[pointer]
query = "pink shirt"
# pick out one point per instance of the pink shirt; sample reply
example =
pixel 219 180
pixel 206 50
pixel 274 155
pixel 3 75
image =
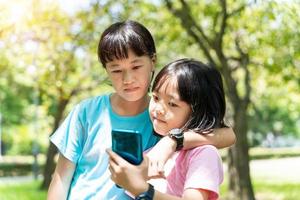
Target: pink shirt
pixel 199 168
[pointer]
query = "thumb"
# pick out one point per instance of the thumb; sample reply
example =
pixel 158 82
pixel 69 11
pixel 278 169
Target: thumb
pixel 145 160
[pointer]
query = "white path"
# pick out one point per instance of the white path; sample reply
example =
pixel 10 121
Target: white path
pixel 275 170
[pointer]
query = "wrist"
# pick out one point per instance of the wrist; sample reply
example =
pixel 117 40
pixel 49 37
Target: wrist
pixel 172 143
pixel 147 195
pixel 143 187
pixel 177 135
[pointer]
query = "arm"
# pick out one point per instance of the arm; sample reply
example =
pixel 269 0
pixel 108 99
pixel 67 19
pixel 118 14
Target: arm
pixel 134 179
pixel 189 194
pixel 61 180
pixel 161 152
pixel 220 138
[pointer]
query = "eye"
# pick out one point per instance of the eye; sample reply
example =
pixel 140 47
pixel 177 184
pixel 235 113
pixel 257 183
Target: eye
pixel 137 67
pixel 172 104
pixel 155 97
pixel 116 71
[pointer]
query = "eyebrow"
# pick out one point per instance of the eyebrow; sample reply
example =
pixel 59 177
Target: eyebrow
pixel 168 95
pixel 136 60
pixel 173 97
pixel 132 62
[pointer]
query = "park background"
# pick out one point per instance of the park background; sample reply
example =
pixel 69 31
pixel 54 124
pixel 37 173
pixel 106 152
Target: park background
pixel 48 63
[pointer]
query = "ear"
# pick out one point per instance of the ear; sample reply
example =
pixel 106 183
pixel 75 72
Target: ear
pixel 154 58
pixel 153 62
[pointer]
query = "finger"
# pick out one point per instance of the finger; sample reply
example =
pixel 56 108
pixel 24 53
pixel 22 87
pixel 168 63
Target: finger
pixel 111 169
pixel 152 169
pixel 116 158
pixel 112 155
pixel 160 167
pixel 113 164
pixel 156 177
pixel 145 160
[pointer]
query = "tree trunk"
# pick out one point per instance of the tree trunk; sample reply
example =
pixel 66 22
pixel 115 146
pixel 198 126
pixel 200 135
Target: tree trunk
pixel 50 164
pixel 240 186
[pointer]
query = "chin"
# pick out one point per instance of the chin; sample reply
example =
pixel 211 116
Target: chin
pixel 133 98
pixel 160 132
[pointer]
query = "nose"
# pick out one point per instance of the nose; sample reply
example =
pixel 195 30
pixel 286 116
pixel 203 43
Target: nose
pixel 127 77
pixel 159 109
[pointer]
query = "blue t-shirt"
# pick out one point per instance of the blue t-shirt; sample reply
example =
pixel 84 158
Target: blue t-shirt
pixel 83 138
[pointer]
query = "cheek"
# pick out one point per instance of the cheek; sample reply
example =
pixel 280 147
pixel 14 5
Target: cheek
pixel 151 107
pixel 180 119
pixel 145 73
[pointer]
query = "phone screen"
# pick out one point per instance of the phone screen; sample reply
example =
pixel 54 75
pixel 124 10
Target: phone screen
pixel 128 145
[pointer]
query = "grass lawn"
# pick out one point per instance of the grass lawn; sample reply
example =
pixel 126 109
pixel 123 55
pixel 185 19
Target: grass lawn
pixel 263 190
pixel 269 191
pixel 272 179
pixel 24 191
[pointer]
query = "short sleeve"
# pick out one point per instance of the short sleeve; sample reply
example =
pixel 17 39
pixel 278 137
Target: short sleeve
pixel 205 170
pixel 68 138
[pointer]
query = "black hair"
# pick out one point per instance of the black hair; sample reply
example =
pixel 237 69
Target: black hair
pixel 119 37
pixel 200 86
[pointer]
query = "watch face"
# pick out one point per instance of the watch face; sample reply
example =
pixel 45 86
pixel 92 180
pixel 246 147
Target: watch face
pixel 175 131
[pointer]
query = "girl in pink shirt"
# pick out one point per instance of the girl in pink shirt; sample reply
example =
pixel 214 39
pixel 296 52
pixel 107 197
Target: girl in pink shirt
pixel 186 95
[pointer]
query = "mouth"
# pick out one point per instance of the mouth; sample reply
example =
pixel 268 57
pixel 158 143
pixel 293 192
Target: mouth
pixel 132 89
pixel 158 120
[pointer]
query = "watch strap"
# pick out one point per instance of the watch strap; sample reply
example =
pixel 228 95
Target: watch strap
pixel 148 195
pixel 178 136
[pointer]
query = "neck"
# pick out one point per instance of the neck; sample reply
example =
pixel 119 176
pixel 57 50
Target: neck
pixel 128 108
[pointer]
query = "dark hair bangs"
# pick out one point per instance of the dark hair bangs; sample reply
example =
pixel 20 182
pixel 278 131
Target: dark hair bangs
pixel 161 78
pixel 121 37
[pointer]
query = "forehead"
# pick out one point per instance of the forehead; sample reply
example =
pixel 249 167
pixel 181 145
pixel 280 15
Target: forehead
pixel 131 58
pixel 168 86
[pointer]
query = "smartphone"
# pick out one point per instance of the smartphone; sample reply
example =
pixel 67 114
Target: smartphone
pixel 128 145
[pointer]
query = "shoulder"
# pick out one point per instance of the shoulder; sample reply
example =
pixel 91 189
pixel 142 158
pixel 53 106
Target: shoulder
pixel 91 106
pixel 94 101
pixel 205 151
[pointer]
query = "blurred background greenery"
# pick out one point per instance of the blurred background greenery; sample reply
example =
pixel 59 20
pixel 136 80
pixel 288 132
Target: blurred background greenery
pixel 49 63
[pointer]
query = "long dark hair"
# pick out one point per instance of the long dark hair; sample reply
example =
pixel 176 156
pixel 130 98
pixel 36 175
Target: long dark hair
pixel 119 37
pixel 200 86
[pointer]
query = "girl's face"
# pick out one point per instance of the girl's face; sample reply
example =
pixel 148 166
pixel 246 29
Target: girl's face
pixel 131 76
pixel 166 109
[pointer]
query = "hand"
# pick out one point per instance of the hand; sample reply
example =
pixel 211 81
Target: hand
pixel 133 178
pixel 159 155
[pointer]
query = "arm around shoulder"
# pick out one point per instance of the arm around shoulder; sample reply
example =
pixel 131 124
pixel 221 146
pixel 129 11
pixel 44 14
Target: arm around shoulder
pixel 61 180
pixel 220 138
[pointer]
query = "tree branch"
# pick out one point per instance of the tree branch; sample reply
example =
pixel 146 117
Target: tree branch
pixel 186 10
pixel 238 10
pixel 244 60
pixel 220 34
pixel 189 24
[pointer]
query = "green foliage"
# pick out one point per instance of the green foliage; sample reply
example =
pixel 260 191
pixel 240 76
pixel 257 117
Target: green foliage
pixel 24 191
pixel 18 140
pixel 61 49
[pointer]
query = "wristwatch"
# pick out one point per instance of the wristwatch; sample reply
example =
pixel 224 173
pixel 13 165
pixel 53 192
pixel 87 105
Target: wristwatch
pixel 148 195
pixel 177 135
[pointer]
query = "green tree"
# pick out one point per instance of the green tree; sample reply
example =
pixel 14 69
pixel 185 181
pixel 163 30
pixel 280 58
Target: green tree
pixel 275 54
pixel 221 43
pixel 245 50
pixel 56 58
